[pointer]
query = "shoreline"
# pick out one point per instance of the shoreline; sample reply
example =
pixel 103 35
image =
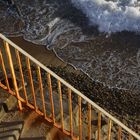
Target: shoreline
pixel 37 51
pixel 52 55
pixel 42 54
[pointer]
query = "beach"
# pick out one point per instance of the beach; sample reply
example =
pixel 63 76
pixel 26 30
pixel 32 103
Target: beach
pixel 103 66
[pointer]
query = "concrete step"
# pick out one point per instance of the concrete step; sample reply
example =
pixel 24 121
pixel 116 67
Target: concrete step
pixel 2 111
pixel 34 126
pixel 7 102
pixel 10 130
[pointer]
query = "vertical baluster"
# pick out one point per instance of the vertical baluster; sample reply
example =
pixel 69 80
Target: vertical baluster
pixel 61 104
pixel 70 111
pixel 109 129
pixel 119 133
pixel 4 70
pixel 130 137
pixel 99 125
pixel 31 82
pixel 51 97
pixel 89 121
pixel 41 90
pixel 6 45
pixel 21 75
pixel 80 118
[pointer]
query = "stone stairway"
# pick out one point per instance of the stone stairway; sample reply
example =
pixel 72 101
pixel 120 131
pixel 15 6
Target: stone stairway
pixel 10 130
pixel 25 125
pixel 28 125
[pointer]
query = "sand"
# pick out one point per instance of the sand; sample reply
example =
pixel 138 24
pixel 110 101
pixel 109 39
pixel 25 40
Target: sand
pixel 39 52
pixel 126 103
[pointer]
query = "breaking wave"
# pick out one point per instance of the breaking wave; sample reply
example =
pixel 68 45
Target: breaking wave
pixel 112 16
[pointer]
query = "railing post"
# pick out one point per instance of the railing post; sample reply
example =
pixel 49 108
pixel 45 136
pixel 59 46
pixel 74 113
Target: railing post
pixel 109 129
pixel 51 96
pixel 99 126
pixel 130 137
pixel 80 117
pixel 61 105
pixel 21 75
pixel 119 133
pixel 89 121
pixel 31 82
pixel 12 72
pixel 41 90
pixel 4 70
pixel 70 111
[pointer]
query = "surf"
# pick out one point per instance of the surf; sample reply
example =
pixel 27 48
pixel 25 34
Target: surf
pixel 112 16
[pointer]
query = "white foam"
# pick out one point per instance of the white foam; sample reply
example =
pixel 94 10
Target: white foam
pixel 112 16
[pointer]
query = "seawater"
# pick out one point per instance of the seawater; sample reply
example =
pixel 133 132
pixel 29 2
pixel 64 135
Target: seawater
pixel 99 37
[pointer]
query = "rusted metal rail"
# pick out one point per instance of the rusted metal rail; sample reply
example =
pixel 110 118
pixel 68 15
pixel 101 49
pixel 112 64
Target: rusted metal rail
pixel 102 114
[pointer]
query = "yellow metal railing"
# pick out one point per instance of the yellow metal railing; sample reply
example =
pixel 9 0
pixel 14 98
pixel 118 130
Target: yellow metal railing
pixel 102 114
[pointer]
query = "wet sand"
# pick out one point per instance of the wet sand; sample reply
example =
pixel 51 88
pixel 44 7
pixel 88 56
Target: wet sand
pixel 45 56
pixel 39 52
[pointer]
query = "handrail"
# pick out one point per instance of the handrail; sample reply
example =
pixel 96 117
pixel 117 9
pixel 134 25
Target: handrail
pixel 70 87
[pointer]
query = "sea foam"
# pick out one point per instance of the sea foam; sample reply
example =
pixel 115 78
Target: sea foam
pixel 112 16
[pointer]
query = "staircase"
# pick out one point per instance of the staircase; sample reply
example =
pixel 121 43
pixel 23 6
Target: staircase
pixel 10 130
pixel 25 125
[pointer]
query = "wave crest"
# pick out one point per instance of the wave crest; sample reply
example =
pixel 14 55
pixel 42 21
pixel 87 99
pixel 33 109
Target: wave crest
pixel 112 16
